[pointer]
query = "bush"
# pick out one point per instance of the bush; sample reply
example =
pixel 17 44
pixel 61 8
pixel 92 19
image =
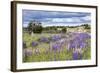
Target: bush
pixel 35 27
pixel 64 30
pixel 86 26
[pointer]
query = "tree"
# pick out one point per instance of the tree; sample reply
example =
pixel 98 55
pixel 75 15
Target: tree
pixel 64 30
pixel 35 27
pixel 86 26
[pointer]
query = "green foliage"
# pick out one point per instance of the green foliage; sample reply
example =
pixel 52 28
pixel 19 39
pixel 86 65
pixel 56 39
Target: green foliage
pixel 35 27
pixel 64 30
pixel 86 26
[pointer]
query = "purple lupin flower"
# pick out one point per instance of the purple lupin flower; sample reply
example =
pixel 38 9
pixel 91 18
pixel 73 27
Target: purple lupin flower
pixel 34 44
pixel 83 36
pixel 55 38
pixel 79 41
pixel 72 44
pixel 75 55
pixel 82 45
pixel 56 47
pixel 44 39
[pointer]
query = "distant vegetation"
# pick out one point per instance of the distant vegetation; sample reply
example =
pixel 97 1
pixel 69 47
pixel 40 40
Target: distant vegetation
pixel 86 26
pixel 36 27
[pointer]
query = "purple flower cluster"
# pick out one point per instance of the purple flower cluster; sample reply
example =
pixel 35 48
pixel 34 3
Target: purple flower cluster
pixel 84 35
pixel 79 41
pixel 44 39
pixel 75 55
pixel 27 52
pixel 34 44
pixel 56 47
pixel 55 38
pixel 75 43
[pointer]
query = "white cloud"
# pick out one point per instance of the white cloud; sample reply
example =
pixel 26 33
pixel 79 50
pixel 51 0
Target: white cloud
pixel 61 24
pixel 59 19
pixel 25 25
pixel 73 19
pixel 86 18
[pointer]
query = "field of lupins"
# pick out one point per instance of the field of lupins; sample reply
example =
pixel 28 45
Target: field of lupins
pixel 56 47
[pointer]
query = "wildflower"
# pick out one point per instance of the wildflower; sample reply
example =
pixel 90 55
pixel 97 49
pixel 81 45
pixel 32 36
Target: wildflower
pixel 27 52
pixel 55 38
pixel 34 44
pixel 44 39
pixel 75 55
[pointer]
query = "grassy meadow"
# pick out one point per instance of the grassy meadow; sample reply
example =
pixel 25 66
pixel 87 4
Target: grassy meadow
pixel 41 47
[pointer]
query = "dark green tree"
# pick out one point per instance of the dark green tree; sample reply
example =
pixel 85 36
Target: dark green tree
pixel 35 27
pixel 64 30
pixel 86 26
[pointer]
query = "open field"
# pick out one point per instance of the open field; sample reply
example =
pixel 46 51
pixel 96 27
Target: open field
pixel 56 46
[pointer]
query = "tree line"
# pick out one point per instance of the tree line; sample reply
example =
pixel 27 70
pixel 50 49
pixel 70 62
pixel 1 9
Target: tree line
pixel 36 27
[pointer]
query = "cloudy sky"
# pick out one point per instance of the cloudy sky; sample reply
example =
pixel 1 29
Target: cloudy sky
pixel 56 18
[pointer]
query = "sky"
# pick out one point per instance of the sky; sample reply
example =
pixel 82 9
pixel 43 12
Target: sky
pixel 56 18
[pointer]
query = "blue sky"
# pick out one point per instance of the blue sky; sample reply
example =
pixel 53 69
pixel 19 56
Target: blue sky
pixel 56 18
